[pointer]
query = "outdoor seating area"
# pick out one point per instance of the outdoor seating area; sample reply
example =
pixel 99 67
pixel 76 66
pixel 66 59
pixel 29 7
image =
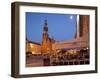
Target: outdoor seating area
pixel 80 58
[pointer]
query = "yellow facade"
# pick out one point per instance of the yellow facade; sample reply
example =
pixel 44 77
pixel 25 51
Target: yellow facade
pixel 33 48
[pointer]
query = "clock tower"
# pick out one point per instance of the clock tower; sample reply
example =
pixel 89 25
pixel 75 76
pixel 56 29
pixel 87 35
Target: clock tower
pixel 45 47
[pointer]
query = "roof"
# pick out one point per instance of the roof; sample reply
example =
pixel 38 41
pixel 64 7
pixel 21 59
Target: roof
pixel 33 42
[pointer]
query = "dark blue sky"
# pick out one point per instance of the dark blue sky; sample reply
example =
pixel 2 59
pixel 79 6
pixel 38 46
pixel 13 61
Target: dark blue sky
pixel 60 26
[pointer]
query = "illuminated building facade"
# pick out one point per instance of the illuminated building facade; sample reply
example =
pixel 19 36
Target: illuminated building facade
pixel 49 45
pixel 46 47
pixel 33 47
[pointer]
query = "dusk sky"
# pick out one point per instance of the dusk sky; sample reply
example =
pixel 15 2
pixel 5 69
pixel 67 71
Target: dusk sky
pixel 60 26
